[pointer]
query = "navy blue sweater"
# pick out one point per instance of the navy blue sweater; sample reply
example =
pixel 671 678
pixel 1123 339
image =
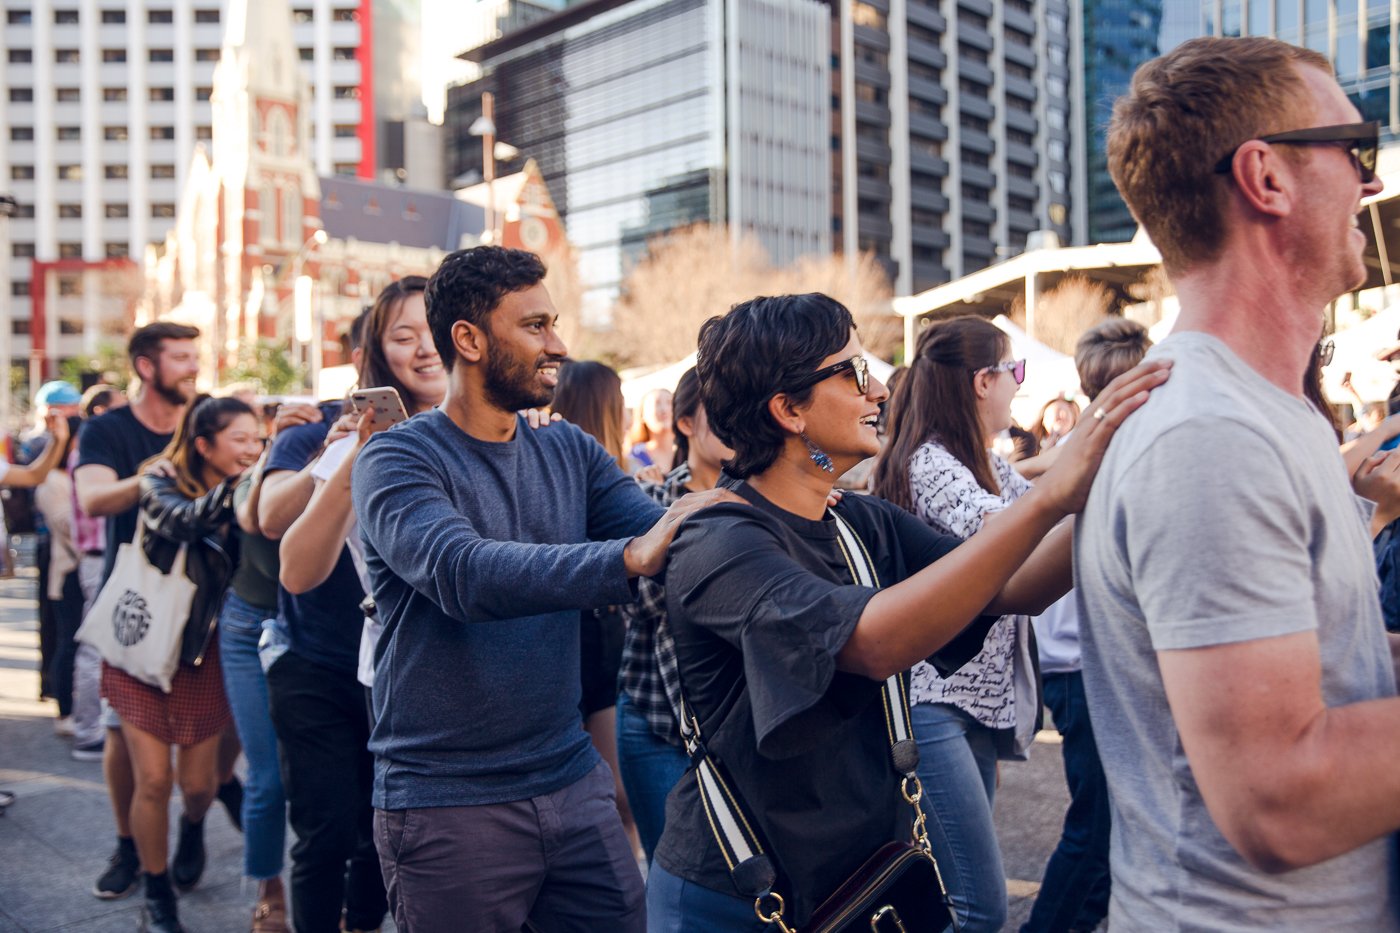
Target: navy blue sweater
pixel 480 557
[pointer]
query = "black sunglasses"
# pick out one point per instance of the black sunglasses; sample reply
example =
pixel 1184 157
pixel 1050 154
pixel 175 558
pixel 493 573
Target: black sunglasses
pixel 1325 351
pixel 1362 143
pixel 857 365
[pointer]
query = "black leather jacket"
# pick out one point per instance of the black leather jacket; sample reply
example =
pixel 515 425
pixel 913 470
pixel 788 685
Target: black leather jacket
pixel 171 520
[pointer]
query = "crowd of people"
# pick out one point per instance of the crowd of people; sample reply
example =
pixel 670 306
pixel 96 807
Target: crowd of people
pixel 506 665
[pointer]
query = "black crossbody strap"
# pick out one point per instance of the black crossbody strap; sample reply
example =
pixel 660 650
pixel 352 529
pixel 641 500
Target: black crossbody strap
pixel 749 866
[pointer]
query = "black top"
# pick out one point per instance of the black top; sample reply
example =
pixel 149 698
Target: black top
pixel 760 602
pixel 118 440
pixel 255 578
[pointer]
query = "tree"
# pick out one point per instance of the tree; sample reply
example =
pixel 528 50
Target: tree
pixel 1065 312
pixel 270 366
pixel 692 274
pixel 110 363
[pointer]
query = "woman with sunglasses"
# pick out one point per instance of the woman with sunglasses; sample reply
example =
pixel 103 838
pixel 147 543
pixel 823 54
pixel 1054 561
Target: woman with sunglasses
pixel 955 400
pixel 781 655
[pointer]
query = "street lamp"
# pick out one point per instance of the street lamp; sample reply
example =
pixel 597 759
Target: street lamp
pixel 492 151
pixel 306 320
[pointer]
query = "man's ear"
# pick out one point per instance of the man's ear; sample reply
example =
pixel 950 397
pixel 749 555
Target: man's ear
pixel 785 414
pixel 469 341
pixel 145 369
pixel 1264 178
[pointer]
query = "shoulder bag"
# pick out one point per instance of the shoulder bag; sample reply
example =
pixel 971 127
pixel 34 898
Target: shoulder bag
pixel 899 888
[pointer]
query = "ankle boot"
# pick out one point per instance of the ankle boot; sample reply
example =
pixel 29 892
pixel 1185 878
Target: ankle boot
pixel 188 864
pixel 159 913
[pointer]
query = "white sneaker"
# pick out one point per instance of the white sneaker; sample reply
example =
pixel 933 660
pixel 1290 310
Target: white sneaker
pixel 63 727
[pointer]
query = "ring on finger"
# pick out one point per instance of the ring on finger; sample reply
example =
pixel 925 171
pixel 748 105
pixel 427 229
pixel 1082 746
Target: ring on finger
pixel 1100 414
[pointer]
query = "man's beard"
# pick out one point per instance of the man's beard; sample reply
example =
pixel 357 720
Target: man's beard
pixel 173 394
pixel 512 386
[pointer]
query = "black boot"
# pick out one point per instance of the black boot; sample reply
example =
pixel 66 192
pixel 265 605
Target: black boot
pixel 188 863
pixel 159 913
pixel 231 796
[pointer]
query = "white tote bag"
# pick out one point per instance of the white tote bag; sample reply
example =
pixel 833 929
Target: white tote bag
pixel 137 621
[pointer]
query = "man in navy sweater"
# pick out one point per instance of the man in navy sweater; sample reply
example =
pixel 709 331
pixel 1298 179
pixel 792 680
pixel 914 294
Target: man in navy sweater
pixel 483 542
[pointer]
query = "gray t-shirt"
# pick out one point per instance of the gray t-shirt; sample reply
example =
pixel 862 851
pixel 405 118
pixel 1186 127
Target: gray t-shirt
pixel 1222 514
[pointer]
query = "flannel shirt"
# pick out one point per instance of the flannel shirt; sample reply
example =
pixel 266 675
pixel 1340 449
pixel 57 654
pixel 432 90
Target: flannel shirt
pixel 650 673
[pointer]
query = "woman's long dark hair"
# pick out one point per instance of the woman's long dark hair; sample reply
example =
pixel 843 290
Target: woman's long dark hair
pixel 205 417
pixel 685 403
pixel 589 395
pixel 937 400
pixel 375 370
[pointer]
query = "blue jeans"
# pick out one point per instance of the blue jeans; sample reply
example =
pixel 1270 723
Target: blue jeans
pixel 650 767
pixel 1074 894
pixel 264 804
pixel 675 905
pixel 958 768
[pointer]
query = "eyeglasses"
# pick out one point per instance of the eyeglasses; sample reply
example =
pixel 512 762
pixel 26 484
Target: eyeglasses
pixel 857 365
pixel 1360 140
pixel 1325 351
pixel 1017 369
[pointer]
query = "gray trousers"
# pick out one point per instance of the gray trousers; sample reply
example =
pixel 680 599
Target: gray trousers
pixel 559 862
pixel 87 665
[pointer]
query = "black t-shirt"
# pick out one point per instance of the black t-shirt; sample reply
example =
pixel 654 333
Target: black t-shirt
pixel 760 602
pixel 118 440
pixel 323 624
pixel 255 577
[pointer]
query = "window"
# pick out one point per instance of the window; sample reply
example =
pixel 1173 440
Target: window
pixel 65 17
pixel 160 16
pixel 203 132
pixel 68 95
pixel 206 55
pixel 19 290
pixel 21 134
pixel 162 132
pixel 307 54
pixel 343 54
pixel 162 55
pixel 114 16
pixel 70 210
pixel 344 16
pixel 117 251
pixel 65 56
pixel 70 251
pixel 117 133
pixel 70 132
pixel 21 95
pixel 203 93
pixel 116 210
pixel 114 93
pixel 22 250
pixel 162 93
pixel 21 56
pixel 863 14
pixel 343 92
pixel 301 16
pixel 162 210
pixel 206 16
pixel 114 55
pixel 346 131
pixel 972 53
pixel 70 172
pixel 345 168
pixel 18 17
pixel 21 172
pixel 116 171
pixel 162 171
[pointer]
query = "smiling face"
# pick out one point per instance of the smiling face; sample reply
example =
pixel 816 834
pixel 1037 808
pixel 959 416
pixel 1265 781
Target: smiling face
pixel 411 355
pixel 523 351
pixel 175 368
pixel 232 450
pixel 840 419
pixel 995 390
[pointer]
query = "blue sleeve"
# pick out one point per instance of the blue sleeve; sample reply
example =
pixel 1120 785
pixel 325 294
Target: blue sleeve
pixel 410 524
pixel 618 507
pixel 294 447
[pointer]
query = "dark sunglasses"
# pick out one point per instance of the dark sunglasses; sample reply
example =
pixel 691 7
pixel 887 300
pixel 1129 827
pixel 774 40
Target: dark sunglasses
pixel 1017 369
pixel 1325 351
pixel 1361 141
pixel 856 365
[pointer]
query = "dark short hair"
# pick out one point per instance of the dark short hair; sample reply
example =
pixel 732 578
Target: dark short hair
pixel 764 346
pixel 685 403
pixel 469 285
pixel 146 342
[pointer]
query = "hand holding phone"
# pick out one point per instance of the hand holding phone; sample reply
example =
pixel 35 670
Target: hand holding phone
pixel 388 407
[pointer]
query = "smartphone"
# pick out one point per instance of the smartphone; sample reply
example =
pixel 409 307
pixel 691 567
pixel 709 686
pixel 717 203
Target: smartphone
pixel 388 407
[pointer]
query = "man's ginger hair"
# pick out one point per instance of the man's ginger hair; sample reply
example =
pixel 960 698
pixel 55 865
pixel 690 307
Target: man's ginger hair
pixel 1184 112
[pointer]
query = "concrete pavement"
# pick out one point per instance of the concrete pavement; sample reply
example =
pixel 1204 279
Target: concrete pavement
pixel 55 839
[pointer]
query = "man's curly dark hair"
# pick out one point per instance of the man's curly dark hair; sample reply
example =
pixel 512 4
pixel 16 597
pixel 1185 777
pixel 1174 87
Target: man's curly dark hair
pixel 468 286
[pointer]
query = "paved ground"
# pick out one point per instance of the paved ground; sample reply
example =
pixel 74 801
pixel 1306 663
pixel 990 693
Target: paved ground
pixel 55 839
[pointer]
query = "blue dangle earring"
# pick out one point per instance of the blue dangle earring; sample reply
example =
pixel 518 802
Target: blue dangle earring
pixel 819 456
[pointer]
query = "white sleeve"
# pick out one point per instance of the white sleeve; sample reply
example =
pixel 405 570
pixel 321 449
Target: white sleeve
pixel 945 493
pixel 332 457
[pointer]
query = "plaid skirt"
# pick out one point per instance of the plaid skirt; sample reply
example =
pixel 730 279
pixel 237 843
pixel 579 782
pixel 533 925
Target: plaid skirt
pixel 194 709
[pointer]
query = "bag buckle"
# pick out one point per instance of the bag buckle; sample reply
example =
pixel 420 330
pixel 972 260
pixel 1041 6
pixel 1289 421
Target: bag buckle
pixel 775 914
pixel 887 911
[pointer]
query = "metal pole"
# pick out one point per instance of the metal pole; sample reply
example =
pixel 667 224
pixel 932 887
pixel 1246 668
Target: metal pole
pixel 488 161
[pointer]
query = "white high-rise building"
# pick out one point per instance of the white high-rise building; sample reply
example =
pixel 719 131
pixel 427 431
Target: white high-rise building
pixel 102 103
